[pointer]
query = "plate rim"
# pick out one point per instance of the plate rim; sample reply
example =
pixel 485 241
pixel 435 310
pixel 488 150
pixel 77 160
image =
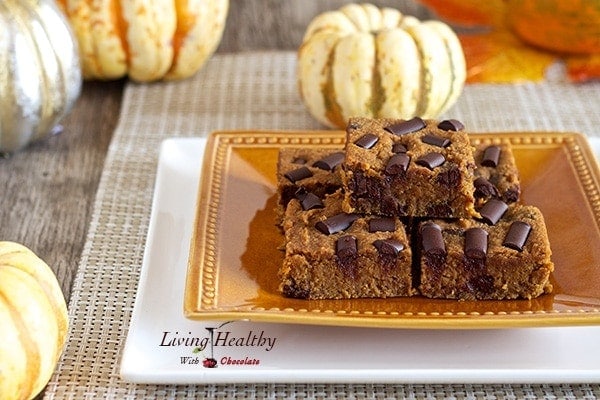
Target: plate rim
pixel 198 297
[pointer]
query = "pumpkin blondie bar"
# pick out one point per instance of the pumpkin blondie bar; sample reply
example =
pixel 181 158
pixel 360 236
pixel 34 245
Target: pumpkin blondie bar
pixel 408 168
pixel 330 254
pixel 507 257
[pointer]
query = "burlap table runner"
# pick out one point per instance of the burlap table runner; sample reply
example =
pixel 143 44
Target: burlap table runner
pixel 250 91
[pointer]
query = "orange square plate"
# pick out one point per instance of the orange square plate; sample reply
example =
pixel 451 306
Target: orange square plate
pixel 235 248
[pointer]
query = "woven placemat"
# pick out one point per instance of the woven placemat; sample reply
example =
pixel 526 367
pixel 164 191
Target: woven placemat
pixel 250 91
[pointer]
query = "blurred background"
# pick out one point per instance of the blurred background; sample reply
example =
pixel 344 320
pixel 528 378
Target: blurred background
pixel 280 24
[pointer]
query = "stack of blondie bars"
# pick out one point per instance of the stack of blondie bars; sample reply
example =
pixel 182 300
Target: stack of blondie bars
pixel 408 207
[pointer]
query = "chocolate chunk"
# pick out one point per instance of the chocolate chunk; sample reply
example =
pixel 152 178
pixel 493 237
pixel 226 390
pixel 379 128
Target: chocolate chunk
pixel 291 290
pixel 399 148
pixel 347 255
pixel 436 140
pixel 451 125
pixel 476 242
pixel 367 141
pixel 335 224
pixel 474 266
pixel 365 186
pixel 358 184
pixel 431 160
pixel 491 155
pixel 390 206
pixel 298 174
pixel 485 188
pixel 397 164
pixel 329 162
pixel 353 125
pixel 493 210
pixel 346 247
pixel 404 127
pixel 439 210
pixel 481 285
pixel 308 200
pixel 432 240
pixel 382 225
pixel 388 246
pixel 511 195
pixel 300 192
pixel 517 235
pixel 299 160
pixel 449 178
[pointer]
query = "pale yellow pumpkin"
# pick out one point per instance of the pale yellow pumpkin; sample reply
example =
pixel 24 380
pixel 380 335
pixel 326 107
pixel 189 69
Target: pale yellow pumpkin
pixel 146 40
pixel 366 61
pixel 33 321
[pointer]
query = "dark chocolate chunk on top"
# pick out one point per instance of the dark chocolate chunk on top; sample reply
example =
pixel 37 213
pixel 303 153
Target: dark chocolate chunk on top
pixel 399 148
pixel 367 141
pixel 336 223
pixel 329 162
pixel 346 247
pixel 493 210
pixel 298 174
pixel 388 246
pixel 431 160
pixel 432 240
pixel 517 235
pixel 397 164
pixel 435 140
pixel 491 155
pixel 404 127
pixel 308 200
pixel 299 160
pixel 451 125
pixel 485 188
pixel 476 242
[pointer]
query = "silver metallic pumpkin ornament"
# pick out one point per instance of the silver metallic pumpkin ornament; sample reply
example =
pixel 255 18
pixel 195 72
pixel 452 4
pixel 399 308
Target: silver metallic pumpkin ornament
pixel 40 74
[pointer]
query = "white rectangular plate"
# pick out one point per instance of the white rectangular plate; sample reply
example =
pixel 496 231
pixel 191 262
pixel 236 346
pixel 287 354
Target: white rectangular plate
pixel 162 346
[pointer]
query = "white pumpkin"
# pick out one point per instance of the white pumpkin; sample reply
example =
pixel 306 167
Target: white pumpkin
pixel 365 61
pixel 40 76
pixel 33 321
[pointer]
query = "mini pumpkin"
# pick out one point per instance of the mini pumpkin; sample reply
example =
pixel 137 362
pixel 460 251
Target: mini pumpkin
pixel 33 321
pixel 40 76
pixel 365 61
pixel 146 40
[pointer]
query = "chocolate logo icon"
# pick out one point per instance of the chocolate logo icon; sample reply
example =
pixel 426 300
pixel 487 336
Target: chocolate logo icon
pixel 211 362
